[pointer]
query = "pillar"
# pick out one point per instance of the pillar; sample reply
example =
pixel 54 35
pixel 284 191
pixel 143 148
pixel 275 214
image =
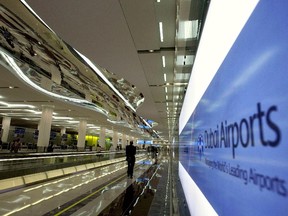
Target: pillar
pixel 102 136
pixel 63 138
pixel 5 128
pixel 81 135
pixel 45 128
pixel 115 140
pixel 63 131
pixel 124 141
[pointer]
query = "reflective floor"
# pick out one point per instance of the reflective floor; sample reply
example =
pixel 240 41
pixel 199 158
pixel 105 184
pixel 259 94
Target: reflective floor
pixel 24 162
pixel 101 191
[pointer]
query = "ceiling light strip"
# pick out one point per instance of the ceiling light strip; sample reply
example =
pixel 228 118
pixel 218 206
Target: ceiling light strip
pixel 16 105
pixel 161 31
pixel 163 61
pixel 99 73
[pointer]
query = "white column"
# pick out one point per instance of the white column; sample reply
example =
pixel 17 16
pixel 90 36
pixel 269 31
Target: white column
pixel 115 140
pixel 63 131
pixel 45 128
pixel 102 136
pixel 5 128
pixel 81 135
pixel 124 141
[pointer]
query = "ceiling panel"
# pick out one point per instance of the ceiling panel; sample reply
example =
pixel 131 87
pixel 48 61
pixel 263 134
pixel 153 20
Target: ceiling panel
pixel 152 66
pixel 142 22
pixel 158 94
pixel 118 35
pixel 166 13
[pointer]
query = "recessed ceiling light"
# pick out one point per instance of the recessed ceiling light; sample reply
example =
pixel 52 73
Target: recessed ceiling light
pixel 161 31
pixel 163 61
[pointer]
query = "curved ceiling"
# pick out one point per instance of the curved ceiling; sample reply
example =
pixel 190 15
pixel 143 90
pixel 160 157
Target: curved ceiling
pixel 123 37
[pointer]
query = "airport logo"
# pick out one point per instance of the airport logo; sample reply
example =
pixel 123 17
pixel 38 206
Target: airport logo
pixel 258 128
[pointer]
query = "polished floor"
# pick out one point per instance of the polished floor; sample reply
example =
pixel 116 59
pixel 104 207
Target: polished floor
pixel 104 190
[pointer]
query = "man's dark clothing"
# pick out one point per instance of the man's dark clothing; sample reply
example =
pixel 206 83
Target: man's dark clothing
pixel 130 157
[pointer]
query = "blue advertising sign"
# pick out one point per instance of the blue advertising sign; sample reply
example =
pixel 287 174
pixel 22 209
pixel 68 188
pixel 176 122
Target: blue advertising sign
pixel 19 132
pixel 235 144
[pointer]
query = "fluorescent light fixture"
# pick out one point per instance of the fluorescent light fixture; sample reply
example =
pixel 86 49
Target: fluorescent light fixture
pixel 165 78
pixel 222 27
pixel 90 125
pixel 180 84
pixel 16 105
pixel 95 127
pixel 62 118
pixel 35 112
pixel 163 61
pixel 30 119
pixel 166 97
pixel 158 1
pixel 190 29
pixel 166 90
pixel 72 122
pixel 161 31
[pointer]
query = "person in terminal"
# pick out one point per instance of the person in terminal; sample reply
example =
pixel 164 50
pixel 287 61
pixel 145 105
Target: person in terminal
pixel 15 145
pixel 98 148
pixel 130 158
pixel 50 147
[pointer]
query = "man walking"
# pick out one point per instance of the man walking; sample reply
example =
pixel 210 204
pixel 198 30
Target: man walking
pixel 130 158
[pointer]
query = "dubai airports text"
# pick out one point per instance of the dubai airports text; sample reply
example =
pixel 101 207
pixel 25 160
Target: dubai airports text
pixel 244 132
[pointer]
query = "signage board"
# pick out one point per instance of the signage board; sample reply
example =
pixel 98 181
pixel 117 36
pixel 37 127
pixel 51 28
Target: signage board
pixel 235 144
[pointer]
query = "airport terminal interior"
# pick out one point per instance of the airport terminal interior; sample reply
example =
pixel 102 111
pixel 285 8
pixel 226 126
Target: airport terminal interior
pixel 79 81
pixel 188 95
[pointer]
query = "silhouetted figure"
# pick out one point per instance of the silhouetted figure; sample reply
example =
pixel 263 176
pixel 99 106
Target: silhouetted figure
pixel 15 146
pixel 154 151
pixel 50 147
pixel 130 157
pixel 98 148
